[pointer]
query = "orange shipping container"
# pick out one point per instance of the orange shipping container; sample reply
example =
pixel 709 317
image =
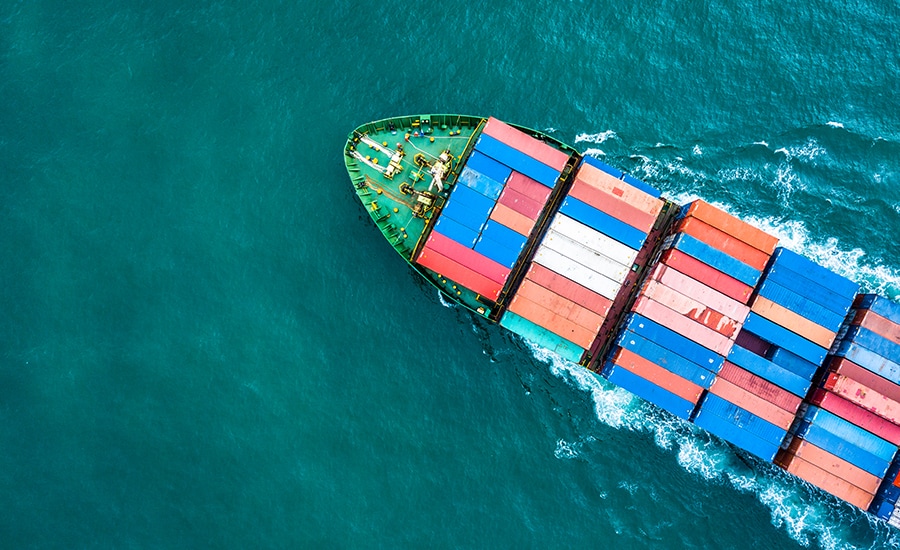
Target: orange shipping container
pixel 828 482
pixel 658 375
pixel 797 324
pixel 761 387
pixel 579 315
pixel 865 397
pixel 599 179
pixel 557 324
pixel 728 244
pixel 716 217
pixel 834 465
pixel 615 206
pixel 752 403
pixel 692 309
pixel 691 330
pixel 519 223
pixel 867 318
pixel 842 365
pixel 568 288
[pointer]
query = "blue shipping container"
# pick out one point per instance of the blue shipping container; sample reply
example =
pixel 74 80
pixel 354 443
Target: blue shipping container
pixel 464 215
pixel 742 418
pixel 456 231
pixel 472 199
pixel 851 433
pixel 869 360
pixel 648 391
pixel 489 167
pixel 542 337
pixel 517 160
pixel 645 187
pixel 666 359
pixel 814 272
pixel 880 305
pixel 716 259
pixel 739 437
pixel 603 222
pixel 767 370
pixel 669 339
pixel 782 337
pixel 800 305
pixel 827 298
pixel 509 238
pixel 881 509
pixel 599 164
pixel 496 251
pixel 873 341
pixel 792 362
pixel 842 449
pixel 477 181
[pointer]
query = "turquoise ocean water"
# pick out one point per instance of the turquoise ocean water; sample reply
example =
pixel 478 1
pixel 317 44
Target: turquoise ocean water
pixel 206 342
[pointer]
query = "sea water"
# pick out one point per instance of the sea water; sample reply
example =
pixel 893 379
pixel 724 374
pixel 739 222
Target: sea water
pixel 207 343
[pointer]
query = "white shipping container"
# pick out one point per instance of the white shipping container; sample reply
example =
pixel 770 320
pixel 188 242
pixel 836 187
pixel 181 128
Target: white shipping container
pixel 586 256
pixel 586 277
pixel 594 239
pixel 700 292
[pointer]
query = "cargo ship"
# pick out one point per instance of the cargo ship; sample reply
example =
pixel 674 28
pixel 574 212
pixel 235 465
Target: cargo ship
pixel 686 306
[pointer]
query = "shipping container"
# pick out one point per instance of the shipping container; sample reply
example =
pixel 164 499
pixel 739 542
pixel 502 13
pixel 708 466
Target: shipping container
pixel 577 272
pixel 882 326
pixel 464 216
pixel 800 304
pixel 542 337
pixel 857 415
pixel 666 358
pixel 707 275
pixel 752 403
pixel 824 297
pixel 467 257
pixel 602 166
pixel 716 259
pixel 721 240
pixel 717 217
pixel 591 258
pixel 521 141
pixel 752 342
pixel 476 181
pixel 867 398
pixel 833 444
pixel 528 207
pixel 851 433
pixel 874 342
pixel 478 204
pixel 495 250
pixel 569 289
pixel 613 185
pixel 613 205
pixel 736 435
pixel 550 320
pixel 459 274
pixel 508 217
pixel 562 306
pixel 784 338
pixel 829 482
pixel 845 367
pixel 671 340
pixel 707 295
pixel 648 391
pixel 760 387
pixel 815 273
pixel 663 378
pixel 517 160
pixel 742 418
pixel 768 370
pixel 690 308
pixel 527 187
pixel 869 360
pixel 830 463
pixel 488 167
pixel 673 320
pixel 455 231
pixel 604 223
pixel 792 362
pixel 780 315
pixel 645 187
pixel 593 239
pixel 880 305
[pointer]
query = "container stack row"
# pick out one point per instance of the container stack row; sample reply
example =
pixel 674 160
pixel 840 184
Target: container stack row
pixel 885 504
pixel 493 208
pixel 689 312
pixel 580 265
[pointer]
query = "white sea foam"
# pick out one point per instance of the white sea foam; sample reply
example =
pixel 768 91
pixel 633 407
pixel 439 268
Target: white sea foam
pixel 594 152
pixel 596 138
pixel 566 450
pixel 697 150
pixel 763 143
pixel 809 151
pixel 444 302
pixel 834 124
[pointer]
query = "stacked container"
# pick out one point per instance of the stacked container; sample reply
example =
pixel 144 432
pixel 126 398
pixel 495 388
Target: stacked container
pixel 489 215
pixel 884 506
pixel 586 254
pixel 690 310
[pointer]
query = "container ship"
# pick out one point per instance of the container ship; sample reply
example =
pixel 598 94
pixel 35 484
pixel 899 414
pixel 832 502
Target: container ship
pixel 685 306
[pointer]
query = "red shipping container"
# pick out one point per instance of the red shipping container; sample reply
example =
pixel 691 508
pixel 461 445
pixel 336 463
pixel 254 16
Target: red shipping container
pixel 761 387
pixel 569 289
pixel 551 321
pixel 798 324
pixel 828 482
pixel 752 403
pixel 691 330
pixel 520 223
pixel 834 465
pixel 752 342
pixel 690 308
pixel 866 398
pixel 842 365
pixel 707 275
pixel 663 378
pixel 560 305
pixel 724 242
pixel 857 415
pixel 613 205
pixel 716 217
pixel 520 183
pixel 467 258
pixel 460 274
pixel 524 143
pixel 876 323
pixel 599 179
pixel 514 200
pixel 705 294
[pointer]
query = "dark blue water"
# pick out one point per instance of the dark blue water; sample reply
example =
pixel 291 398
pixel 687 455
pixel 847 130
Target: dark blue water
pixel 206 343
